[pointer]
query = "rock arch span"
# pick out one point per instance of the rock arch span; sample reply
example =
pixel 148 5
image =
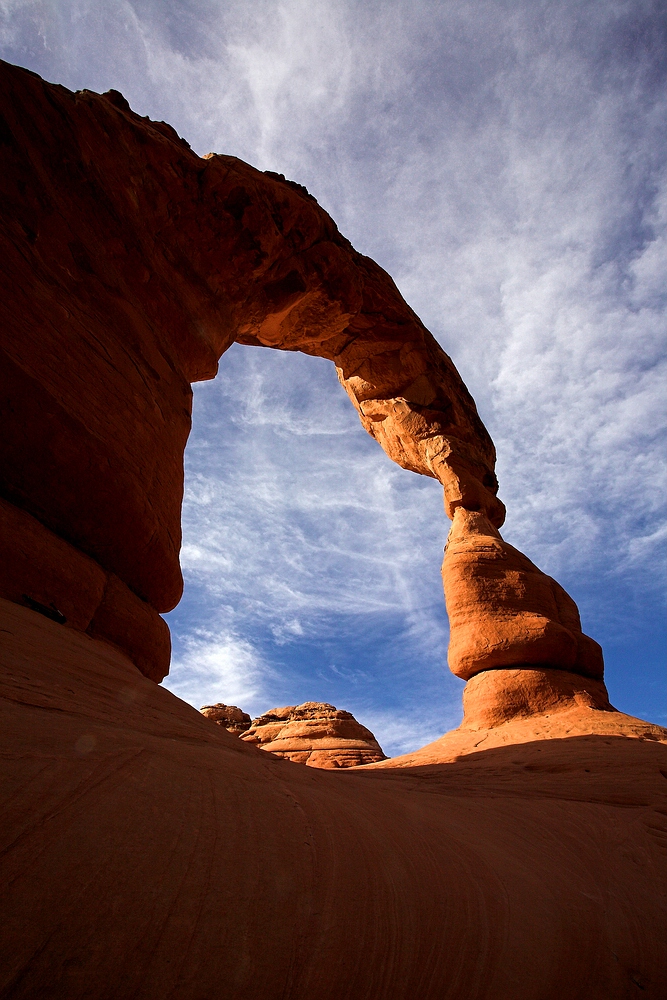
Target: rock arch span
pixel 131 265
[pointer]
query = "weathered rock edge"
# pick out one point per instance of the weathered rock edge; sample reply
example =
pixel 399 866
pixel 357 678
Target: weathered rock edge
pixel 504 611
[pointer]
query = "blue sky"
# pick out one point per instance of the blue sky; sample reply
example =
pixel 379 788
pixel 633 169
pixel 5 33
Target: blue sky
pixel 504 161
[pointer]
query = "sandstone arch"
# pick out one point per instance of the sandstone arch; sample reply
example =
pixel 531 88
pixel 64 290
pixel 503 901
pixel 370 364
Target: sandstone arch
pixel 132 265
pixel 178 257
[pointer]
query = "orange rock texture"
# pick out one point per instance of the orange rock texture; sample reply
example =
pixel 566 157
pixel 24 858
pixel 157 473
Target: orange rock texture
pixel 229 717
pixel 503 611
pixel 41 570
pixel 130 264
pixel 316 734
pixel 144 262
pixel 529 705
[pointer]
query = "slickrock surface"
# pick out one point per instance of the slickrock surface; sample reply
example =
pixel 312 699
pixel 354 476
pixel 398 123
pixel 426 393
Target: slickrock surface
pixel 504 611
pixel 229 717
pixel 146 852
pixel 316 734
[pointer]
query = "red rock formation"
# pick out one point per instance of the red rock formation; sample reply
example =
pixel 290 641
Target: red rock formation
pixel 96 459
pixel 316 734
pixel 513 707
pixel 139 263
pixel 503 611
pixel 229 717
pixel 41 570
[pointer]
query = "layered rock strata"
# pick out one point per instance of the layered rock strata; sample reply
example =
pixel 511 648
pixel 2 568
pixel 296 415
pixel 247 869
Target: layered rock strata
pixel 231 718
pixel 317 734
pixel 44 572
pixel 504 611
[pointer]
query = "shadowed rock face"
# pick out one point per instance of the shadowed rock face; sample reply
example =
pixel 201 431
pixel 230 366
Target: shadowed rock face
pixel 316 734
pixel 229 717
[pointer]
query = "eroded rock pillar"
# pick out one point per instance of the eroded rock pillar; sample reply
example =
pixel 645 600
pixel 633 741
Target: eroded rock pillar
pixel 506 617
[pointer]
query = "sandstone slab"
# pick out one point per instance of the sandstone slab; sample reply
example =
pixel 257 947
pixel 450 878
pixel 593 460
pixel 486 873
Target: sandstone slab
pixel 149 853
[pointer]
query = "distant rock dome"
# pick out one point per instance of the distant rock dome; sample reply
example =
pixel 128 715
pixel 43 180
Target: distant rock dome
pixel 231 718
pixel 315 733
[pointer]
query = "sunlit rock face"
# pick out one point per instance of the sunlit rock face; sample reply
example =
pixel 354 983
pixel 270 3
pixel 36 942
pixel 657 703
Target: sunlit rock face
pixel 504 611
pixel 95 456
pixel 231 718
pixel 317 734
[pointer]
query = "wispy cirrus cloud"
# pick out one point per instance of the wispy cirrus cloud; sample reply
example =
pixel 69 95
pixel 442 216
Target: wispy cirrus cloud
pixel 302 537
pixel 211 662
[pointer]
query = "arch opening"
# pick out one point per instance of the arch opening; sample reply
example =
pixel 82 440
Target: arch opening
pixel 144 263
pixel 311 562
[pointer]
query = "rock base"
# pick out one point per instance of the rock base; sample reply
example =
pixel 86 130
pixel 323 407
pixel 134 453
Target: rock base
pixel 47 574
pixel 495 697
pixel 149 853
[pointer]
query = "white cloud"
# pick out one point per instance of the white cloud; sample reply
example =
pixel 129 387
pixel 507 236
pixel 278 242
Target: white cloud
pixel 402 732
pixel 293 509
pixel 220 667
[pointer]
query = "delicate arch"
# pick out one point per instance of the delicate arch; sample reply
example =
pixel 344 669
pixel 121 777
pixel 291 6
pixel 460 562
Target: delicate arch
pixel 131 265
